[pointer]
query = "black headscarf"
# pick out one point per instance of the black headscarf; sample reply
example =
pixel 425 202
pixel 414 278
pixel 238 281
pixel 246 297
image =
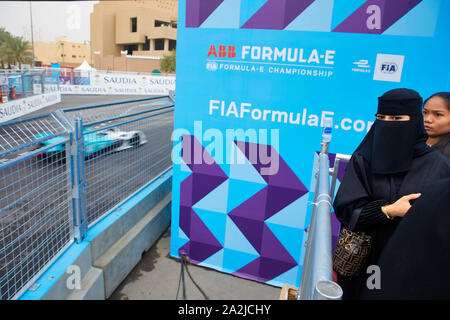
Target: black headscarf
pixel 390 146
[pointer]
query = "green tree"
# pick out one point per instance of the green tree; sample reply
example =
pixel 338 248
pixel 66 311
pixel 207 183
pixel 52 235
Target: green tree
pixel 168 63
pixel 4 58
pixel 14 50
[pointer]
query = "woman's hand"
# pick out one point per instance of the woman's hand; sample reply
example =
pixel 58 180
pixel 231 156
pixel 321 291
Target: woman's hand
pixel 401 206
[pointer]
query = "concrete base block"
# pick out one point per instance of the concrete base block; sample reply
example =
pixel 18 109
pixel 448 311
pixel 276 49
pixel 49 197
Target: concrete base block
pixel 69 270
pixel 92 287
pixel 94 268
pixel 124 254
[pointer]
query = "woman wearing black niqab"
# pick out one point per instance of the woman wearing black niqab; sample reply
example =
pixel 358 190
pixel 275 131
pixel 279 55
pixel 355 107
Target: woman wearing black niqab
pixel 388 170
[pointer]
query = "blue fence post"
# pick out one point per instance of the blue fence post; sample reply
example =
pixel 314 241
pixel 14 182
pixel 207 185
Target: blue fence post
pixel 78 181
pixel 22 78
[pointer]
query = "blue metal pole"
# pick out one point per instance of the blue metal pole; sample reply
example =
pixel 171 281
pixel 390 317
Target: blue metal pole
pixel 78 182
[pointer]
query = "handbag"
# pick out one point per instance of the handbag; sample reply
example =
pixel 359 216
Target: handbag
pixel 352 249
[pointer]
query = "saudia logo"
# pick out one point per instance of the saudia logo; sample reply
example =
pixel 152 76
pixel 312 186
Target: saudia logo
pixel 119 80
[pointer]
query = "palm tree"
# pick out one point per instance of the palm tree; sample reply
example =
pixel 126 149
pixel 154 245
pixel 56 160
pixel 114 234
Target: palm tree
pixel 14 50
pixel 20 50
pixel 4 35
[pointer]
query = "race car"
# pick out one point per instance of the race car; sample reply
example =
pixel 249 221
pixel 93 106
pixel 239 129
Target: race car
pixel 96 143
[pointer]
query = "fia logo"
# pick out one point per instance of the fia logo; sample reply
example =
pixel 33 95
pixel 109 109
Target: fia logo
pixel 389 67
pixel 211 66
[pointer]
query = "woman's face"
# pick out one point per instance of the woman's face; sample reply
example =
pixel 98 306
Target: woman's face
pixel 436 117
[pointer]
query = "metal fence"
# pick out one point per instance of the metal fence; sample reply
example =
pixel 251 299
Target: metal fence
pixel 22 83
pixel 317 274
pixel 61 172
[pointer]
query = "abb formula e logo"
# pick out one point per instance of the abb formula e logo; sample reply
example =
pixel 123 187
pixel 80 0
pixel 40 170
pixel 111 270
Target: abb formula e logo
pixel 223 52
pixel 314 57
pixel 289 61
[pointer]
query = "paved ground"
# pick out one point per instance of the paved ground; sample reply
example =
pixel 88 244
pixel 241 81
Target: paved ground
pixel 157 275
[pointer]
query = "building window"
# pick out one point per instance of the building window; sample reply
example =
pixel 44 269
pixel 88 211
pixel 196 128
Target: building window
pixel 146 45
pixel 133 24
pixel 130 48
pixel 159 44
pixel 159 23
pixel 172 45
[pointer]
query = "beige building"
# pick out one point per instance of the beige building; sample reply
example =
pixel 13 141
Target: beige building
pixel 133 35
pixel 66 53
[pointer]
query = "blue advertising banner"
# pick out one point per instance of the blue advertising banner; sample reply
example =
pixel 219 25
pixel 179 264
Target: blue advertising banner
pixel 255 81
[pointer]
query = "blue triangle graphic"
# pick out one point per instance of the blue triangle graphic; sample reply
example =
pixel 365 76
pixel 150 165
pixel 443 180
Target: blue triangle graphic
pixel 290 238
pixel 293 215
pixel 234 260
pixel 177 242
pixel 235 240
pixel 216 200
pixel 289 278
pixel 225 16
pixel 215 261
pixel 317 17
pixel 240 191
pixel 342 9
pixel 184 167
pixel 243 170
pixel 215 221
pixel 183 171
pixel 419 22
pixel 182 235
pixel 249 8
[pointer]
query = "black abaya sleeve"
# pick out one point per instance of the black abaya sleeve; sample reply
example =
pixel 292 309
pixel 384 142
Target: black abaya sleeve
pixel 415 262
pixel 355 192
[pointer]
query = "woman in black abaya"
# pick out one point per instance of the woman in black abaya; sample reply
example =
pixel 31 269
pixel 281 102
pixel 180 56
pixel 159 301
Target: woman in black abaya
pixel 388 170
pixel 421 269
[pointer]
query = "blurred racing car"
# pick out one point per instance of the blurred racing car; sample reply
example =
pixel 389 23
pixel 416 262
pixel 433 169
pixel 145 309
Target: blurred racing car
pixel 95 143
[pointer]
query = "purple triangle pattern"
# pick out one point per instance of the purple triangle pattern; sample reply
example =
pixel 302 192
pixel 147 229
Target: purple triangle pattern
pixel 197 11
pixel 277 14
pixel 391 12
pixel 206 176
pixel 283 188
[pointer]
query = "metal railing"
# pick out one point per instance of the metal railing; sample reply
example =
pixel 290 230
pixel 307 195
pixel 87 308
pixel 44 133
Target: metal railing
pixel 61 172
pixel 116 170
pixel 317 273
pixel 23 83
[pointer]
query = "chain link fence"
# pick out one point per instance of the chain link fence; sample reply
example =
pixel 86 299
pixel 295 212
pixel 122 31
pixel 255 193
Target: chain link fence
pixel 61 172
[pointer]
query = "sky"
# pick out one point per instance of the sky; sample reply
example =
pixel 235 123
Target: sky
pixel 50 19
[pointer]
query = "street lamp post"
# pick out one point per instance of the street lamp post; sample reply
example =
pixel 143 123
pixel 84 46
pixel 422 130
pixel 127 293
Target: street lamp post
pixel 32 38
